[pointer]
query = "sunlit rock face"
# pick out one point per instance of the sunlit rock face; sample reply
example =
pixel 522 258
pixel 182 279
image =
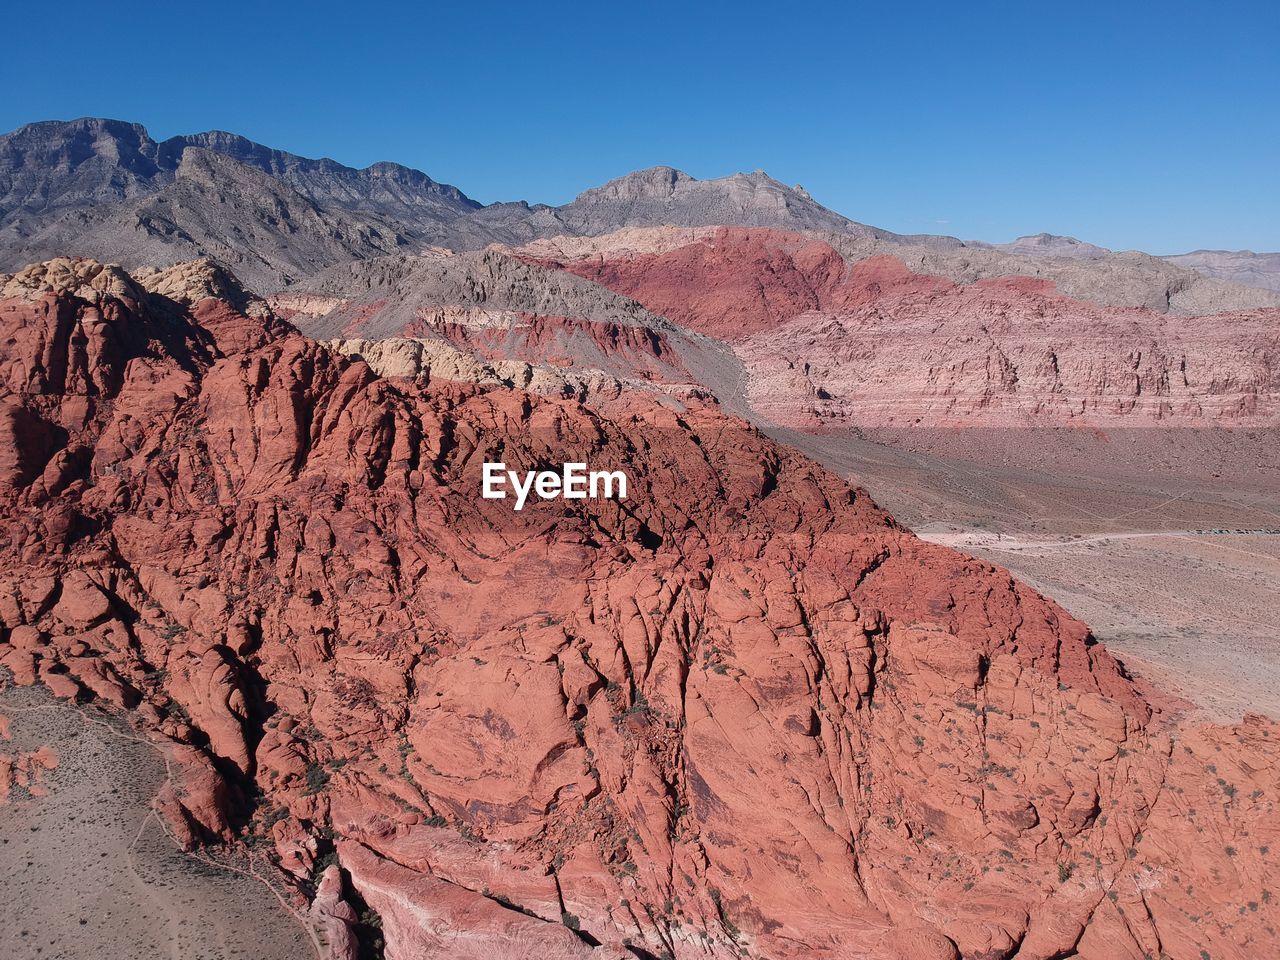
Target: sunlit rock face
pixel 741 712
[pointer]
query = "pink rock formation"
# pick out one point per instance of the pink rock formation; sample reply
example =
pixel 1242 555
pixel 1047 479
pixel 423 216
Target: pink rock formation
pixel 731 283
pixel 828 343
pixel 26 770
pixel 335 917
pixel 740 712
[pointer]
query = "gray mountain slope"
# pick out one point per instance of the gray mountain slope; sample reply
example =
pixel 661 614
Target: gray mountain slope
pixel 404 286
pixel 386 189
pixel 268 234
pixel 48 168
pixel 664 196
pixel 388 297
pixel 1235 266
pixel 1046 245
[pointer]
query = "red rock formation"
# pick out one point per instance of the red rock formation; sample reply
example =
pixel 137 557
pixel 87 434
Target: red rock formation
pixel 335 917
pixel 739 713
pixel 828 343
pixel 734 283
pixel 25 770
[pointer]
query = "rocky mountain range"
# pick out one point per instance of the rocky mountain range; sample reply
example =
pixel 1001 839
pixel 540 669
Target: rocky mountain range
pixel 55 166
pixel 827 341
pixel 106 189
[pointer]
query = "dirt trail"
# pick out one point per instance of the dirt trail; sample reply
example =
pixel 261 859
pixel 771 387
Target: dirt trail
pixel 86 872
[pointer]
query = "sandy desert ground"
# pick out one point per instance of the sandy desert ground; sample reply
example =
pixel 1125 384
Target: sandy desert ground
pixel 1166 542
pixel 86 872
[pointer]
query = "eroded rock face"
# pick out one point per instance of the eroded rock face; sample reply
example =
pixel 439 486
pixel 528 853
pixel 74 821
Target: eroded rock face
pixel 728 283
pixel 1235 266
pixel 740 713
pixel 492 318
pixel 437 358
pixel 831 343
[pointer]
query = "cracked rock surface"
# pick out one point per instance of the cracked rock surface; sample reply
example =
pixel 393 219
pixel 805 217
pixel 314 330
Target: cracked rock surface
pixel 741 713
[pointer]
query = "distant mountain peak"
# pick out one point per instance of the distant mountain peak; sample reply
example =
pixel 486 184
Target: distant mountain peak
pixel 662 182
pixel 1047 245
pixel 95 125
pixel 665 196
pixel 1051 240
pixel 1254 269
pixel 647 183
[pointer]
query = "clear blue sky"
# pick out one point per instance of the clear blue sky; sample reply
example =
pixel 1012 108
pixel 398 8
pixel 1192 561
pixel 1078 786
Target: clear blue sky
pixel 1130 124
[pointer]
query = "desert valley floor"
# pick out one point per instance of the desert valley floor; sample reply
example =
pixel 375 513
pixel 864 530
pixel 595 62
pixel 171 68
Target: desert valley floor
pixel 96 872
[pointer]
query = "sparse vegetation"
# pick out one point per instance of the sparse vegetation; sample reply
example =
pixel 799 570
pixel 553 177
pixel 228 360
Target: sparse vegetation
pixel 317 778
